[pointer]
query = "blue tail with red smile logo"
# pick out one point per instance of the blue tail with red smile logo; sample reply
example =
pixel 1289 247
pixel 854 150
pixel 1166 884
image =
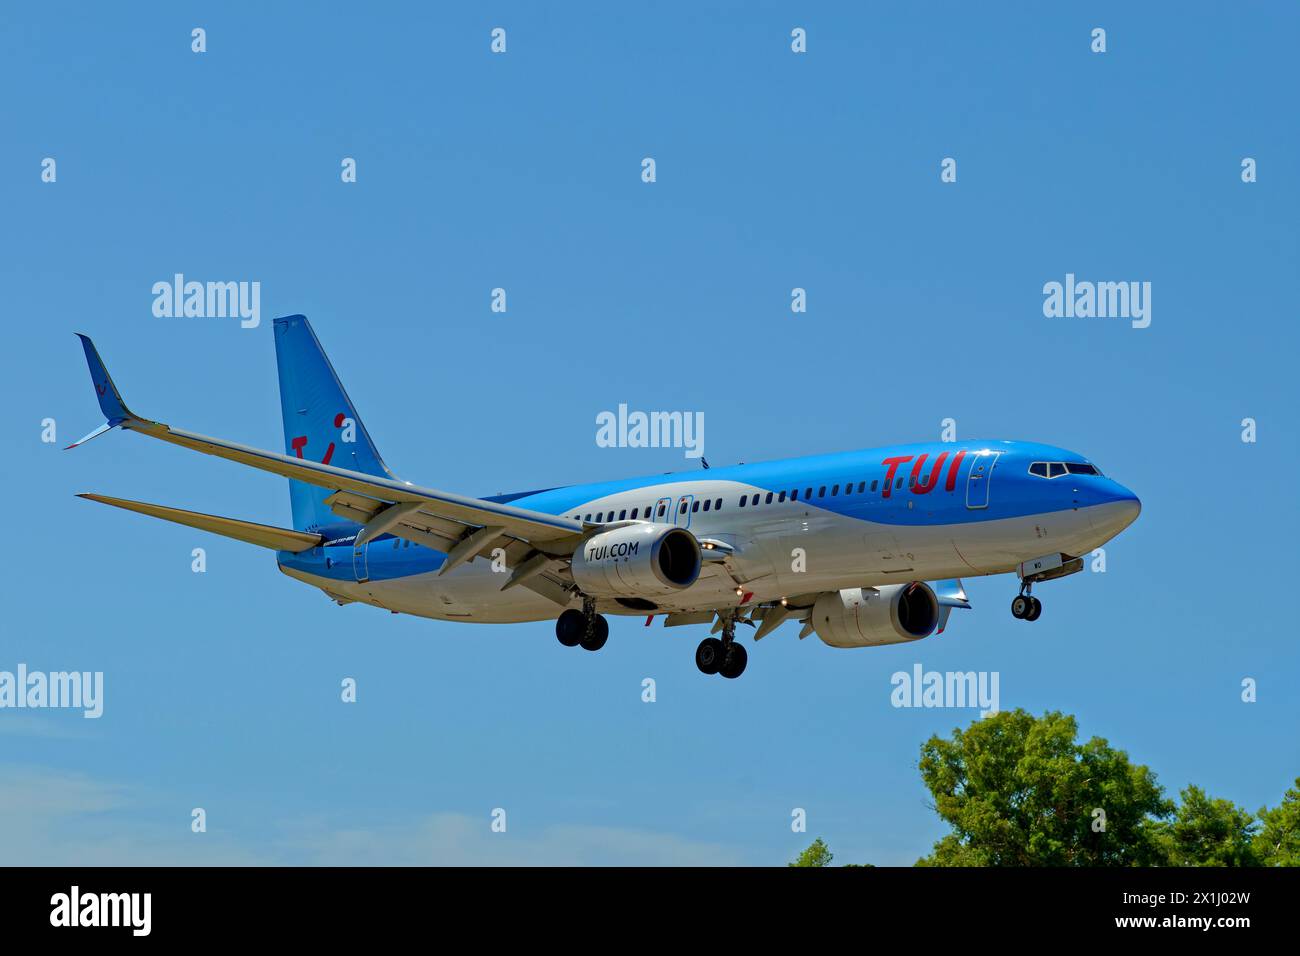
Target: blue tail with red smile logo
pixel 320 421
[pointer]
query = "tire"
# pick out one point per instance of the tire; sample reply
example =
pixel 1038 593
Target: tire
pixel 599 635
pixel 1035 609
pixel 708 656
pixel 734 661
pixel 569 627
pixel 1020 607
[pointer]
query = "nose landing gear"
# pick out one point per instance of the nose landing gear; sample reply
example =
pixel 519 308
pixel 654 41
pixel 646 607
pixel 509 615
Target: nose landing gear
pixel 1026 607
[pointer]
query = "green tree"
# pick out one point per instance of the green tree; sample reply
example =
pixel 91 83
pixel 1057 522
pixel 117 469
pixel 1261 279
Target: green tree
pixel 817 854
pixel 1209 832
pixel 1019 790
pixel 1278 840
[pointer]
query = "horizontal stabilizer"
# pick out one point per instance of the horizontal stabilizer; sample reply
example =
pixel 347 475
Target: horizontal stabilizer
pixel 264 535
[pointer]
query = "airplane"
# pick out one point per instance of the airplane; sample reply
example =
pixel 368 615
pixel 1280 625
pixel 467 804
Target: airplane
pixel 863 548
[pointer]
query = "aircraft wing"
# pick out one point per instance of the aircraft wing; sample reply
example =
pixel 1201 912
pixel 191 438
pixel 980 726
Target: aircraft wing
pixel 457 524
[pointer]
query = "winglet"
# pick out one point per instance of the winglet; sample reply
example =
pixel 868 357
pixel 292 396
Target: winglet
pixel 950 594
pixel 95 434
pixel 110 399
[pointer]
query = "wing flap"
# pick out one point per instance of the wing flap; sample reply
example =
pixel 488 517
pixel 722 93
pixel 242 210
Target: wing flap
pixel 264 535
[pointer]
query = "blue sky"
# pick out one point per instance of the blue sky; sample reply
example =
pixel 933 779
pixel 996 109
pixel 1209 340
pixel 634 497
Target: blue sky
pixel 522 171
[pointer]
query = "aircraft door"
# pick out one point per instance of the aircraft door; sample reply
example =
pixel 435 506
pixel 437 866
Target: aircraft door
pixel 682 516
pixel 980 477
pixel 360 563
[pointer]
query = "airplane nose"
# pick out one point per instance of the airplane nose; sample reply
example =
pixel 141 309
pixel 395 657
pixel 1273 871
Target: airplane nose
pixel 1113 516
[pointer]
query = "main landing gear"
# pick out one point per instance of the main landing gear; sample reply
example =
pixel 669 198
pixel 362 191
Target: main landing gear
pixel 725 656
pixel 585 627
pixel 1026 607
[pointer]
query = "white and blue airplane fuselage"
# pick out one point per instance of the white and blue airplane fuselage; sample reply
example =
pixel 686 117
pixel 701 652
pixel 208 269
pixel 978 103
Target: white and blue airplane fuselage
pixel 865 547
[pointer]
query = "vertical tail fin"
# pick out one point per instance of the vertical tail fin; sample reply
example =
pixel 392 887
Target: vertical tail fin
pixel 320 421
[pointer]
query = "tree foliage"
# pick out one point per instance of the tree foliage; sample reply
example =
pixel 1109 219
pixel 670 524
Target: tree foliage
pixel 1022 791
pixel 1278 841
pixel 1209 832
pixel 817 854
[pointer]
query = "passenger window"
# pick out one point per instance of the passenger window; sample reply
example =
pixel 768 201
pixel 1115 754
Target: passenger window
pixel 874 482
pixel 794 495
pixel 743 499
pixel 588 518
pixel 634 511
pixel 861 486
pixel 821 492
pixel 768 500
pixel 661 510
pixel 600 517
pixel 780 498
pixel 622 515
pixel 899 482
pixel 807 494
pixel 707 502
pixel 717 505
pixel 835 491
pixel 682 509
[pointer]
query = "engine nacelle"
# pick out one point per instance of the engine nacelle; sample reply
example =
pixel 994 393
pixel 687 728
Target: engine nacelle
pixel 870 617
pixel 637 561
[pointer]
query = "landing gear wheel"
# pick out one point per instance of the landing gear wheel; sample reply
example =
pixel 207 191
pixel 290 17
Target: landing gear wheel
pixel 570 626
pixel 595 638
pixel 1035 609
pixel 734 660
pixel 709 655
pixel 1020 606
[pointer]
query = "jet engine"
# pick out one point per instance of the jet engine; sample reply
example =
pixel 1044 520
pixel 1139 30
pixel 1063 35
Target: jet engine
pixel 870 617
pixel 640 560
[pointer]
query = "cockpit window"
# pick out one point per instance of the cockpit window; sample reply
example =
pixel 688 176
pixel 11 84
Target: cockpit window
pixel 1055 469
